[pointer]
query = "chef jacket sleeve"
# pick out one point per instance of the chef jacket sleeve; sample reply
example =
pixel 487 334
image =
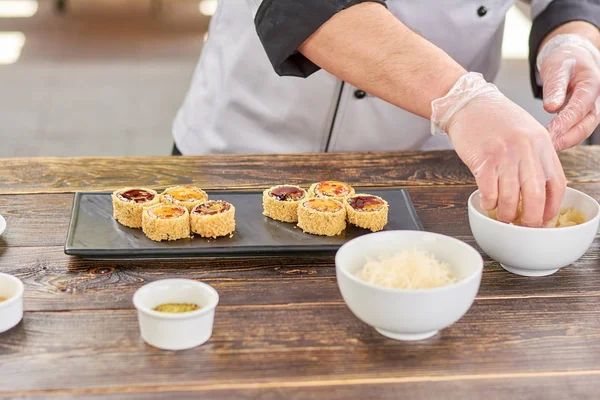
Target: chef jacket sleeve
pixel 283 25
pixel 554 14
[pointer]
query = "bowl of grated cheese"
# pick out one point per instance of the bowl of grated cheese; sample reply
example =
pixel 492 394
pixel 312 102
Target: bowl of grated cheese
pixel 408 285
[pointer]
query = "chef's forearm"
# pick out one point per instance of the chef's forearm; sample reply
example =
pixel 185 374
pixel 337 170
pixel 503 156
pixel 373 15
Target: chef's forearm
pixel 368 47
pixel 582 28
pixel 283 25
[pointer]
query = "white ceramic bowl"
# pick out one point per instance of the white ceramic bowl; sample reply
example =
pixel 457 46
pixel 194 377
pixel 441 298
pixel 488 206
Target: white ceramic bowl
pixel 170 331
pixel 408 314
pixel 536 251
pixel 11 310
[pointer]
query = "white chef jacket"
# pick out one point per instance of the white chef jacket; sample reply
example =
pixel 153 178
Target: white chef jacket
pixel 238 104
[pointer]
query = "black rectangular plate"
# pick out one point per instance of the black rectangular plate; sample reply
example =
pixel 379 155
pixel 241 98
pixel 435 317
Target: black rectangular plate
pixel 94 233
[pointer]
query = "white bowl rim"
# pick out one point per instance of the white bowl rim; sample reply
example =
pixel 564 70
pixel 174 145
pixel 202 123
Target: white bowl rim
pixel 177 316
pixel 2 224
pixel 477 272
pixel 15 298
pixel 518 227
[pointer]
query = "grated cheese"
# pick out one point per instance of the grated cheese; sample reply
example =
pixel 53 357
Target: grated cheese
pixel 409 269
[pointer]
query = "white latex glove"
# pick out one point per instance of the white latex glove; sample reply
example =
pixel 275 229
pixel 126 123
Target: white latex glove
pixel 507 150
pixel 569 67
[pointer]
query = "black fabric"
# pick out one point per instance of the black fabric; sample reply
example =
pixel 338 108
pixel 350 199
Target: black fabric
pixel 558 13
pixel 175 151
pixel 283 25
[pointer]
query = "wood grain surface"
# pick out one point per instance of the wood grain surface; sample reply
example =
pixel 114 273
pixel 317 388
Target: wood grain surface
pixel 580 385
pixel 57 282
pixel 62 175
pixel 282 330
pixel 292 343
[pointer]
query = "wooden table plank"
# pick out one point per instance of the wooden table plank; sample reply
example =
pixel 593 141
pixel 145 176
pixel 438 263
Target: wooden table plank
pixel 256 345
pixel 54 175
pixel 56 282
pixel 59 175
pixel 35 220
pixel 576 385
pixel 42 220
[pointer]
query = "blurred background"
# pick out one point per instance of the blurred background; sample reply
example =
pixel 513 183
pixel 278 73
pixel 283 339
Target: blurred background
pixel 106 77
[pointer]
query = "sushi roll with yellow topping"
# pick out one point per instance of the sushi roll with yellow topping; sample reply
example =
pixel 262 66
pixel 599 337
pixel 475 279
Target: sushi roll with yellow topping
pixel 166 222
pixel 213 218
pixel 322 217
pixel 367 211
pixel 187 196
pixel 128 204
pixel 281 202
pixel 331 190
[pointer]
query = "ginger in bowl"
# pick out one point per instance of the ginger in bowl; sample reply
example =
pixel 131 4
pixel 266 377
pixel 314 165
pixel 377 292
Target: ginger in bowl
pixel 538 251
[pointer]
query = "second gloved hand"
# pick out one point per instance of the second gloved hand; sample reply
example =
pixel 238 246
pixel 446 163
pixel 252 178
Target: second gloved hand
pixel 507 150
pixel 569 67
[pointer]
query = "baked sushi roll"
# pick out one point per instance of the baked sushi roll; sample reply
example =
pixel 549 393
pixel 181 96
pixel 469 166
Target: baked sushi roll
pixel 128 204
pixel 281 202
pixel 319 216
pixel 367 211
pixel 166 222
pixel 213 218
pixel 187 196
pixel 331 190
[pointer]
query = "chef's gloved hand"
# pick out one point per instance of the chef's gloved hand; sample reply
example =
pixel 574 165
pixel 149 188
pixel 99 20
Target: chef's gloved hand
pixel 507 150
pixel 569 67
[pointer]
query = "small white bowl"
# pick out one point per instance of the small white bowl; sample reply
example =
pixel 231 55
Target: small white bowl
pixel 408 314
pixel 536 251
pixel 176 331
pixel 11 310
pixel 2 224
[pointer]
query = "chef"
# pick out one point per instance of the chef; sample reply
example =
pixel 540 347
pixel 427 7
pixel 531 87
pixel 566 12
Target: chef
pixel 279 76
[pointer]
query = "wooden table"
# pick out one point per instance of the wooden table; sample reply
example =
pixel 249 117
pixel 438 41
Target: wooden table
pixel 282 330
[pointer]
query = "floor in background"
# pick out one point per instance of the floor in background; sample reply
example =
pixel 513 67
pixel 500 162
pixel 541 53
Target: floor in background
pixel 107 78
pixel 104 79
